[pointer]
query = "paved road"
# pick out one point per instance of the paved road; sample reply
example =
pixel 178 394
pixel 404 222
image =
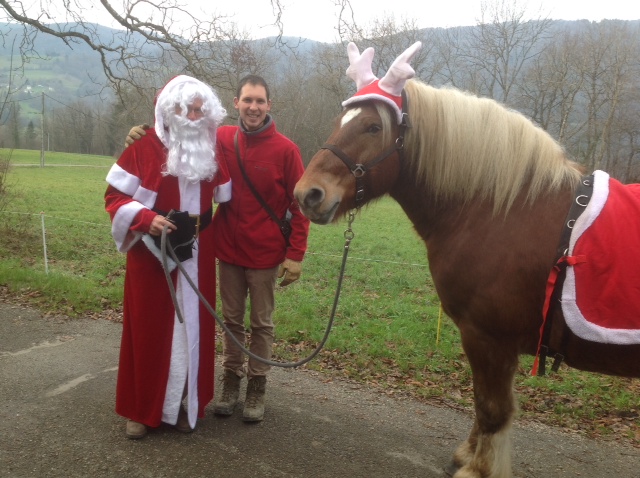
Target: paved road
pixel 57 380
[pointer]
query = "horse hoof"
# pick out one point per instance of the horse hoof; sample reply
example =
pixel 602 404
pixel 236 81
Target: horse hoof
pixel 451 469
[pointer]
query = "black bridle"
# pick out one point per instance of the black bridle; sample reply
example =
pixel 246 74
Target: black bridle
pixel 358 169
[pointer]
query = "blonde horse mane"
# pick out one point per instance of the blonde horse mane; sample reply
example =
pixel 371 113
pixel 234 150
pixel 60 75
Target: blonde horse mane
pixel 466 147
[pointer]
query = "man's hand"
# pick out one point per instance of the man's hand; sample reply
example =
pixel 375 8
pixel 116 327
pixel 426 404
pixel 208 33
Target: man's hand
pixel 290 270
pixel 158 224
pixel 135 134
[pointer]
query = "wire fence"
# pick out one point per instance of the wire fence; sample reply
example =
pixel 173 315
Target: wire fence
pixel 43 221
pixel 61 244
pixel 79 248
pixel 52 230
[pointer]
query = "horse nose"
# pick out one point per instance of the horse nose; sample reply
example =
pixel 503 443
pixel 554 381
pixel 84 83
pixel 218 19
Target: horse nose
pixel 312 198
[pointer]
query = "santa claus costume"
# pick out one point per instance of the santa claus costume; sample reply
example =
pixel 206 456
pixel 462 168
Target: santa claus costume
pixel 160 357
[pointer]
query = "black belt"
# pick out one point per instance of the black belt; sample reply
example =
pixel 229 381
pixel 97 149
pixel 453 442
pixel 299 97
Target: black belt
pixel 196 222
pixel 189 226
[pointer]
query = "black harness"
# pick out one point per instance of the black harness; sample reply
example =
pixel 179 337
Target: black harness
pixel 556 277
pixel 358 169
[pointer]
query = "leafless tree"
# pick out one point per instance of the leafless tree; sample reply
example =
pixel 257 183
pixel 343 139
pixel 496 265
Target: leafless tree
pixel 9 87
pixel 5 162
pixel 580 85
pixel 6 107
pixel 551 85
pixel 610 49
pixel 304 104
pixel 496 51
pixel 150 38
pixel 583 89
pixel 150 48
pixel 390 38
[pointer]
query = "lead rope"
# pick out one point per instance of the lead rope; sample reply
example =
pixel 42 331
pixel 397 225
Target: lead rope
pixel 164 246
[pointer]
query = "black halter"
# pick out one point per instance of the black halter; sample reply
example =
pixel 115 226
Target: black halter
pixel 358 170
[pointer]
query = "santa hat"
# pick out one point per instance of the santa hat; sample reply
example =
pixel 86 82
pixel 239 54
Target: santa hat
pixel 175 92
pixel 389 88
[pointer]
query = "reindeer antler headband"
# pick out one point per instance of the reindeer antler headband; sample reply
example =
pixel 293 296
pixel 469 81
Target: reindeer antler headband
pixel 389 88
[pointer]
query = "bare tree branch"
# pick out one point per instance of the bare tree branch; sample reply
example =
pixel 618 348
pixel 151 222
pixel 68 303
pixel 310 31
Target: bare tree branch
pixel 151 40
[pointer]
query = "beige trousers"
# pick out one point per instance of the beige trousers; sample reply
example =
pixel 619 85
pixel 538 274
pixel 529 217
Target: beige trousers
pixel 236 284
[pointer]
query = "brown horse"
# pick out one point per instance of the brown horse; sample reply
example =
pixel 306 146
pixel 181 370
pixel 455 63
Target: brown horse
pixel 488 192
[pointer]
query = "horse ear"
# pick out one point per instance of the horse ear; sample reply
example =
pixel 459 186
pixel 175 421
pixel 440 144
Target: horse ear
pixel 400 71
pixel 360 66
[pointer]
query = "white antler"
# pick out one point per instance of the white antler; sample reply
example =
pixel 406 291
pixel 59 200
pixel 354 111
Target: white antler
pixel 388 89
pixel 360 66
pixel 400 71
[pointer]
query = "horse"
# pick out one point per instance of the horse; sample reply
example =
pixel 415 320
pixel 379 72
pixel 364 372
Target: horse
pixel 489 193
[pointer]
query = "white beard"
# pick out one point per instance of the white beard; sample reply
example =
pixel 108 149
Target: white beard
pixel 191 150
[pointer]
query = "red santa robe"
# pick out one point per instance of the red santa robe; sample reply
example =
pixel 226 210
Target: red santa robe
pixel 158 353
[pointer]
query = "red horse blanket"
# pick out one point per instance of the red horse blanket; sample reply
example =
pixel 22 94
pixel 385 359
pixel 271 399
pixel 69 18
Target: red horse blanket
pixel 601 292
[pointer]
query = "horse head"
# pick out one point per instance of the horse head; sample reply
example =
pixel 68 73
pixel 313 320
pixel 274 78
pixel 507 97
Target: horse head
pixel 361 158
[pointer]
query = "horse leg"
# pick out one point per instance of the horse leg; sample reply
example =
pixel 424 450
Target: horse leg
pixel 487 451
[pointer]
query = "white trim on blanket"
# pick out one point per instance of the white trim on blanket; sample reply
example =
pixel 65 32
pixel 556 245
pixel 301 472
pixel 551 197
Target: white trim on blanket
pixel 576 321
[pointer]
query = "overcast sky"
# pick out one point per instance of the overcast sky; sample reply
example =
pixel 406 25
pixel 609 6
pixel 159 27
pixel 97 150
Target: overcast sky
pixel 316 19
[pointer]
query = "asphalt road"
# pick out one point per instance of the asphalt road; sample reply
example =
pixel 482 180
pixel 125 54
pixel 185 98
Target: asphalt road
pixel 57 419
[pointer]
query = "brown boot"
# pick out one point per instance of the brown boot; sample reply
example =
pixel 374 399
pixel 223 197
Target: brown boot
pixel 182 425
pixel 228 396
pixel 254 403
pixel 135 430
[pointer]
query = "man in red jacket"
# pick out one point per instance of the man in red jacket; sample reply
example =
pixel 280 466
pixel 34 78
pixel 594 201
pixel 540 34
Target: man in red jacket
pixel 250 246
pixel 174 167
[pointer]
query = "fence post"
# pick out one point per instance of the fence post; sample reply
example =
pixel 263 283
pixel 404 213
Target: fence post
pixel 44 244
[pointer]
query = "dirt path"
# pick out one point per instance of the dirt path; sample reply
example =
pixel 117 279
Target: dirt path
pixel 56 420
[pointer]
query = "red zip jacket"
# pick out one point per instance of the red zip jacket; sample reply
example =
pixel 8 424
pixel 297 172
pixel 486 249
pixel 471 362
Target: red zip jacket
pixel 246 235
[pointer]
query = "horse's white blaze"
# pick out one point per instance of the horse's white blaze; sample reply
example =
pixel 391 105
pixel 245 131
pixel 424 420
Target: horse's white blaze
pixel 349 116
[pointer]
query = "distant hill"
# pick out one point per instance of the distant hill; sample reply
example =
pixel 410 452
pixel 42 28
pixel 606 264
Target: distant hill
pixel 60 69
pixel 65 72
pixel 69 72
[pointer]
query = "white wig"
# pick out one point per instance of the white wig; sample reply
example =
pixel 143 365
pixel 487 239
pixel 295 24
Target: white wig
pixel 182 90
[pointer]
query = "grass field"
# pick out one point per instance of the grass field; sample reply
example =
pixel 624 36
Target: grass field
pixel 386 328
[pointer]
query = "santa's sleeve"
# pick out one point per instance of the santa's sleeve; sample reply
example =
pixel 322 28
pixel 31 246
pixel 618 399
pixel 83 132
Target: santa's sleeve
pixel 128 202
pixel 222 180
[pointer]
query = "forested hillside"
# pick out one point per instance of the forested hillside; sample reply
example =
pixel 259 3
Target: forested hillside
pixel 579 80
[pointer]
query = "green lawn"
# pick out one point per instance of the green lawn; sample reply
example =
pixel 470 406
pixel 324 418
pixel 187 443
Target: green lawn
pixel 386 327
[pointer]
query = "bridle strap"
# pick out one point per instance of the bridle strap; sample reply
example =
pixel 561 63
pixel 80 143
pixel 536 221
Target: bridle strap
pixel 358 169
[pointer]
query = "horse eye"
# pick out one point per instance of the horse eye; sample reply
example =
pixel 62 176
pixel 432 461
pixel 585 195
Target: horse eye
pixel 374 128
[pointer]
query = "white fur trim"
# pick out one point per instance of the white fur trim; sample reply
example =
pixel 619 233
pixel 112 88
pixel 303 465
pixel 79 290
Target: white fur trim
pixel 185 349
pixel 374 96
pixel 122 180
pixel 146 197
pixel 155 250
pixel 178 369
pixel 593 209
pixel 122 235
pixel 222 192
pixel 191 310
pixel 572 313
pixel 130 185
